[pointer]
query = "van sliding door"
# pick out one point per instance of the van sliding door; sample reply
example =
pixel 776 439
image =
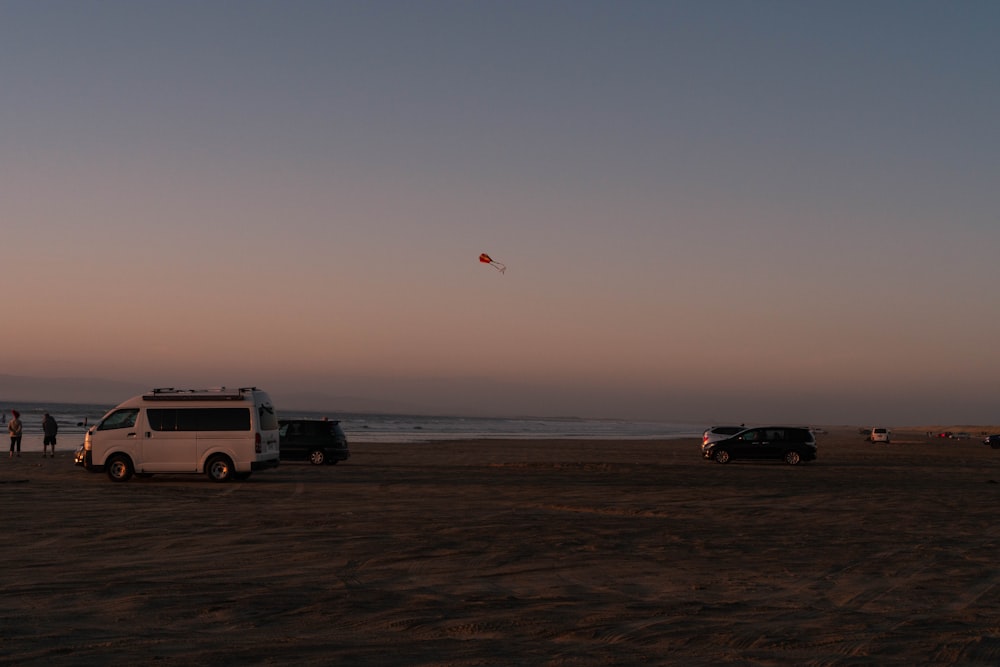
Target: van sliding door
pixel 169 443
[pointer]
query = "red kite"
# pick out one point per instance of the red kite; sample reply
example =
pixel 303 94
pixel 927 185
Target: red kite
pixel 486 259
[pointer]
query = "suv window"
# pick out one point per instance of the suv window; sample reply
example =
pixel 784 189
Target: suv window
pixel 798 435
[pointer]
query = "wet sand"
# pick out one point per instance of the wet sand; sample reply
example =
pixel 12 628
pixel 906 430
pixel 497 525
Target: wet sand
pixel 504 553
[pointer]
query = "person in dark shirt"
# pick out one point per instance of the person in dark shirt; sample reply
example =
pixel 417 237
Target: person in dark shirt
pixel 49 429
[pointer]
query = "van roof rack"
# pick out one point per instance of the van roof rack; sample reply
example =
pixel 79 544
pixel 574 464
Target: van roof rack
pixel 214 394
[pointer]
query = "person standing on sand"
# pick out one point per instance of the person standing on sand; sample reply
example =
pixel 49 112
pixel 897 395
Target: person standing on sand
pixel 49 428
pixel 14 430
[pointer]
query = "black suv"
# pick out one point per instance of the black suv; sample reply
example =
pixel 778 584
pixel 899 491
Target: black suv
pixel 785 443
pixel 993 441
pixel 318 441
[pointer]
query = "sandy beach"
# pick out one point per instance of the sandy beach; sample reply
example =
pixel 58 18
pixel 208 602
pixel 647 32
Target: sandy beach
pixel 513 552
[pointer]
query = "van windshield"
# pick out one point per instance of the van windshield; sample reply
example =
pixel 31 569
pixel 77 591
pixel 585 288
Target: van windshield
pixel 119 419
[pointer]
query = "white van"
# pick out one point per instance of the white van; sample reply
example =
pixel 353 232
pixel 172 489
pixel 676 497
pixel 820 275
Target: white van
pixel 225 433
pixel 879 435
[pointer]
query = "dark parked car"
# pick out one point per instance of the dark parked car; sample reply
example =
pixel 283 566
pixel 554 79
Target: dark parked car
pixel 993 441
pixel 318 441
pixel 783 443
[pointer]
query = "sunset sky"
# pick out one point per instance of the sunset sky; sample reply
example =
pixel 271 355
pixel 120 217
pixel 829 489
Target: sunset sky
pixel 718 211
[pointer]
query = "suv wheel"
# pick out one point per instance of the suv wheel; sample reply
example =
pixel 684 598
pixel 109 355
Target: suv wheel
pixel 792 457
pixel 317 457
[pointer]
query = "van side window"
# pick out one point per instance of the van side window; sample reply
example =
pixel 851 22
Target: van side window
pixel 161 420
pixel 198 419
pixel 223 419
pixel 119 419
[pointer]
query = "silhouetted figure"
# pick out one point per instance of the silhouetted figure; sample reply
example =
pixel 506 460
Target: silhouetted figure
pixel 49 429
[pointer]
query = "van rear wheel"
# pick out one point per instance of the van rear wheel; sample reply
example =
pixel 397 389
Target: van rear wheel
pixel 317 457
pixel 219 469
pixel 792 458
pixel 120 468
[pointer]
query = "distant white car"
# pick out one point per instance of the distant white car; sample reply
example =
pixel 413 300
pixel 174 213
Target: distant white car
pixel 880 435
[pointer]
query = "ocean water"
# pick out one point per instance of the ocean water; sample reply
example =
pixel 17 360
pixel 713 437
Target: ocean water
pixel 74 419
pixel 411 428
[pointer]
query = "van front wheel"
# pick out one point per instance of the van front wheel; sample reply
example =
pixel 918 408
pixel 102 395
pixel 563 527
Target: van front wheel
pixel 219 469
pixel 120 468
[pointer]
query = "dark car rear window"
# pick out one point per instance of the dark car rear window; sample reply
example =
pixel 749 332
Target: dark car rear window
pixel 798 435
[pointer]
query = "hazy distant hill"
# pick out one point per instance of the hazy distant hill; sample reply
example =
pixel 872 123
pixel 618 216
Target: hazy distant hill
pixel 18 388
pixel 14 388
pixel 320 402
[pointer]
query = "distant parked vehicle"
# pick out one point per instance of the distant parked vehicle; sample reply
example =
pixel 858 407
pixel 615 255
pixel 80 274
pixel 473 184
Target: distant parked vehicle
pixel 993 441
pixel 880 434
pixel 318 441
pixel 784 443
pixel 960 436
pixel 944 434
